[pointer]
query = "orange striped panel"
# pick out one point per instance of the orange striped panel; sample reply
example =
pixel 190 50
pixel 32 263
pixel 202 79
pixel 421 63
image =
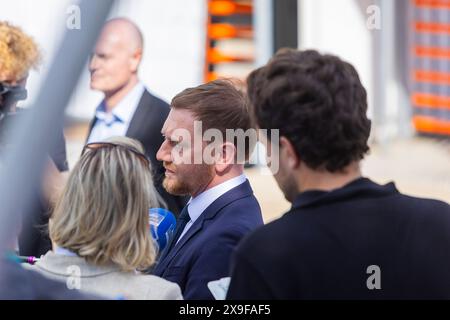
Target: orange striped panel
pixel 434 77
pixel 432 27
pixel 226 8
pixel 215 56
pixel 432 4
pixel 432 52
pixel 211 76
pixel 226 30
pixel 431 125
pixel 426 100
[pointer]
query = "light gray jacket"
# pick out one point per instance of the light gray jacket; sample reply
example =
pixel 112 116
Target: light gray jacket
pixel 108 281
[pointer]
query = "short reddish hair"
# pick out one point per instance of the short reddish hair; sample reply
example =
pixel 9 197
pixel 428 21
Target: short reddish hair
pixel 218 104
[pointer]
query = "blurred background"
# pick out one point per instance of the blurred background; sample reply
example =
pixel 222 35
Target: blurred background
pixel 401 49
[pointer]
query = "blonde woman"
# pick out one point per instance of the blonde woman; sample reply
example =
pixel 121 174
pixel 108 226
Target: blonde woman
pixel 100 225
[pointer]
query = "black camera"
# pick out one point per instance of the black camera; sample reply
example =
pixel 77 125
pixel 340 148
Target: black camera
pixel 8 96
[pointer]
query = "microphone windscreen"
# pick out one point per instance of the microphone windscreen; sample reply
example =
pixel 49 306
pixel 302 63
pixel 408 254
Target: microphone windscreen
pixel 162 226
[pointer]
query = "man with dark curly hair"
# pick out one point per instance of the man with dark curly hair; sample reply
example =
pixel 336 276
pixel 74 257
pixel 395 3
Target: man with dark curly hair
pixel 345 237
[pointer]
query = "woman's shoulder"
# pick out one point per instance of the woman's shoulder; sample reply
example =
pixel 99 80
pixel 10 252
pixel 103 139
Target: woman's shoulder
pixel 158 288
pixel 108 280
pixel 132 285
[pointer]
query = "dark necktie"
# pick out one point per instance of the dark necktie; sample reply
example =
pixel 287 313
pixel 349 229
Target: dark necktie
pixel 182 220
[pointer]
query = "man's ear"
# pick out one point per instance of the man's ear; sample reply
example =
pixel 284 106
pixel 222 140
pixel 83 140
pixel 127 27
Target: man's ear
pixel 136 60
pixel 226 157
pixel 287 151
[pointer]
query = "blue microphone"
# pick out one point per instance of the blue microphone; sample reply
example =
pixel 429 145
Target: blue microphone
pixel 162 226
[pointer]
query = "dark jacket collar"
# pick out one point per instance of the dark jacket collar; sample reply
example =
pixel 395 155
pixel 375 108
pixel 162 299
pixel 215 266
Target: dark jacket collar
pixel 361 187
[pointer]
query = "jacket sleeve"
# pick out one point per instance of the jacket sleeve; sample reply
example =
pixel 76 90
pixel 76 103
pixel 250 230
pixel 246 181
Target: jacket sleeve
pixel 58 153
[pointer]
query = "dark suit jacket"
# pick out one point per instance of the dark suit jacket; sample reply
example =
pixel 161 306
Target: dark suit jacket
pixel 203 253
pixel 145 126
pixel 33 238
pixel 322 248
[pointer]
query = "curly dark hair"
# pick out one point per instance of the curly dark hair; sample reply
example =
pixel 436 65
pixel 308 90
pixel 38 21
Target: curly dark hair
pixel 317 102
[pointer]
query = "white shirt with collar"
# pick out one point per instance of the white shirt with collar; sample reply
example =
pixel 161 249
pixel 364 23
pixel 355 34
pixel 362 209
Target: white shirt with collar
pixel 197 205
pixel 116 122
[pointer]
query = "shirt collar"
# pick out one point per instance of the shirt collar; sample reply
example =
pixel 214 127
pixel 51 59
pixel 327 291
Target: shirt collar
pixel 197 205
pixel 65 252
pixel 125 109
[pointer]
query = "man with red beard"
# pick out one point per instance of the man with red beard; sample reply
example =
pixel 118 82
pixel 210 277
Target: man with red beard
pixel 222 208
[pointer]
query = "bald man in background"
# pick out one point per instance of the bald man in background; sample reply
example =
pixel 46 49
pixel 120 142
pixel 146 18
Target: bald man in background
pixel 128 108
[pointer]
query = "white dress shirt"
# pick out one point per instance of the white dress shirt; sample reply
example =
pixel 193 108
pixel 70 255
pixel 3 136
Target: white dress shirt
pixel 116 122
pixel 197 205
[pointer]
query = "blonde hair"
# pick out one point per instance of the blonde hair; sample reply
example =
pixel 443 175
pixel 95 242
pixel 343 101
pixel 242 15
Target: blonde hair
pixel 102 214
pixel 18 51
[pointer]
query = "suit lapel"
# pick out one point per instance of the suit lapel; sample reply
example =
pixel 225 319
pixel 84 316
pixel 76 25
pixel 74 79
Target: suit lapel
pixel 239 192
pixel 139 121
pixel 91 126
